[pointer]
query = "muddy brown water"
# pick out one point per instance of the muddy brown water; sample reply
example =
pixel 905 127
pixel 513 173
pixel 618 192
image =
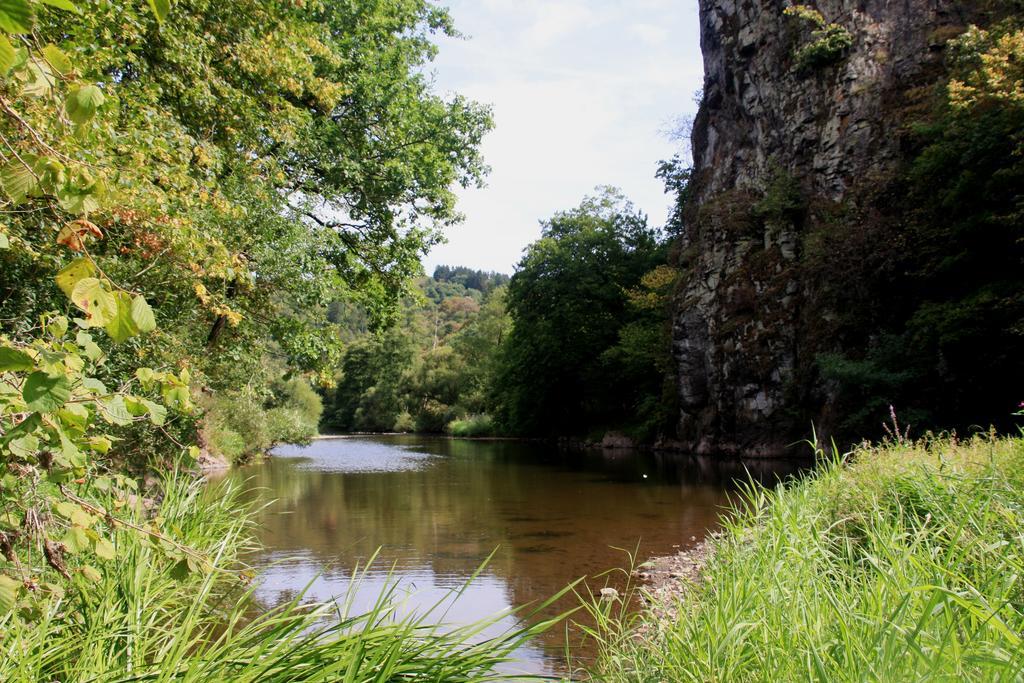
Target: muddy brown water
pixel 433 509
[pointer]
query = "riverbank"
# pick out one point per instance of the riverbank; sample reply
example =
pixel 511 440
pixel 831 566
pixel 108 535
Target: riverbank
pixel 904 563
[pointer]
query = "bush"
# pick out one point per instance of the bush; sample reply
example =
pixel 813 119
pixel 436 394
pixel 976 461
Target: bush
pixel 472 425
pixel 405 423
pixel 238 425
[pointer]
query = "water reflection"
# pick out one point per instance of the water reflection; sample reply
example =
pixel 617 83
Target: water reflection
pixel 436 508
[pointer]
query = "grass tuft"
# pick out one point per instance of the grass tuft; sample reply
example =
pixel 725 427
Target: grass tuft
pixel 145 621
pixel 905 563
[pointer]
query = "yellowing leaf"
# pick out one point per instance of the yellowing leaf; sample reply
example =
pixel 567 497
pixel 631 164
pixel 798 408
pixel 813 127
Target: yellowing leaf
pixel 105 549
pixel 91 573
pixel 17 180
pixel 98 302
pixel 7 55
pixel 57 60
pixel 142 315
pixel 9 589
pixel 71 274
pixel 75 540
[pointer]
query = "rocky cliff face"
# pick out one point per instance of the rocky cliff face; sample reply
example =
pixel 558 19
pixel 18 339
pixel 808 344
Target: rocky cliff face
pixel 778 146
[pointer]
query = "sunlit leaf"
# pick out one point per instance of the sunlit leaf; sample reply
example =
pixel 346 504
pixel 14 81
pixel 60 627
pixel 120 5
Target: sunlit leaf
pixel 40 78
pixel 105 549
pixel 17 180
pixel 92 296
pixel 71 274
pixel 45 394
pixel 7 55
pixel 65 5
pixel 15 16
pixel 157 413
pixel 142 315
pixel 91 573
pixel 9 589
pixel 115 411
pixel 75 540
pixel 160 8
pixel 13 360
pixel 57 60
pixel 82 103
pixel 122 327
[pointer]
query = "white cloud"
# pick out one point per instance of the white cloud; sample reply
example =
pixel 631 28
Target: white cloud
pixel 650 34
pixel 581 95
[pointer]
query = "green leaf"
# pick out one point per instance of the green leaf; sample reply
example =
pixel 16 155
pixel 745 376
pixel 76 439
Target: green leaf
pixel 105 549
pixel 45 394
pixel 122 326
pixel 13 360
pixel 17 180
pixel 71 274
pixel 24 447
pixel 160 8
pixel 94 385
pixel 7 55
pixel 135 405
pixel 40 78
pixel 16 16
pixel 57 60
pixel 142 315
pixel 61 4
pixel 157 413
pixel 75 540
pixel 176 397
pixel 92 296
pixel 5 241
pixel 115 411
pixel 82 103
pixel 9 589
pixel 180 570
pixel 91 573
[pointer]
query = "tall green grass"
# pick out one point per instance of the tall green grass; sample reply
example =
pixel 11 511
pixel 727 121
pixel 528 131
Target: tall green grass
pixel 905 564
pixel 472 425
pixel 145 622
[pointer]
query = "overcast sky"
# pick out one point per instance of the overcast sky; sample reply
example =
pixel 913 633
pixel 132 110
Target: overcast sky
pixel 584 92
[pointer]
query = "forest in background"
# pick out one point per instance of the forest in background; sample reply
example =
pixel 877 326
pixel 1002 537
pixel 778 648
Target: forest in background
pixel 575 341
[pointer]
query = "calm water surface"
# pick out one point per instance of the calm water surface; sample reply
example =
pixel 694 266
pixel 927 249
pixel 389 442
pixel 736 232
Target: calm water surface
pixel 436 508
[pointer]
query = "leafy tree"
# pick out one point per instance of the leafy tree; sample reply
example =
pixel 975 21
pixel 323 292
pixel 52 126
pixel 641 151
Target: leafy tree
pixel 187 193
pixel 569 303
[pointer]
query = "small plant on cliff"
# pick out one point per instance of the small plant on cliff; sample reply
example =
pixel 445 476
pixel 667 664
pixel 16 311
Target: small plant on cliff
pixel 828 42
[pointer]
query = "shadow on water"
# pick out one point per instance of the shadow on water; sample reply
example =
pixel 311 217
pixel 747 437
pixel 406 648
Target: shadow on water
pixel 436 508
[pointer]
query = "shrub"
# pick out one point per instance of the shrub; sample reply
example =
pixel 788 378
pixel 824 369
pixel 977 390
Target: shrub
pixel 828 42
pixel 472 425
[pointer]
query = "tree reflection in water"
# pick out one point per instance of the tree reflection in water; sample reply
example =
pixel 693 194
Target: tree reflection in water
pixel 436 508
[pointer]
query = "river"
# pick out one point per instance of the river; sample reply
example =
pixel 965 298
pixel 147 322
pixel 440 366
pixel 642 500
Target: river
pixel 436 508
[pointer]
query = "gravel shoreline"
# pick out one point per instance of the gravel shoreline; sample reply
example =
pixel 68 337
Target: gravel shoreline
pixel 668 579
